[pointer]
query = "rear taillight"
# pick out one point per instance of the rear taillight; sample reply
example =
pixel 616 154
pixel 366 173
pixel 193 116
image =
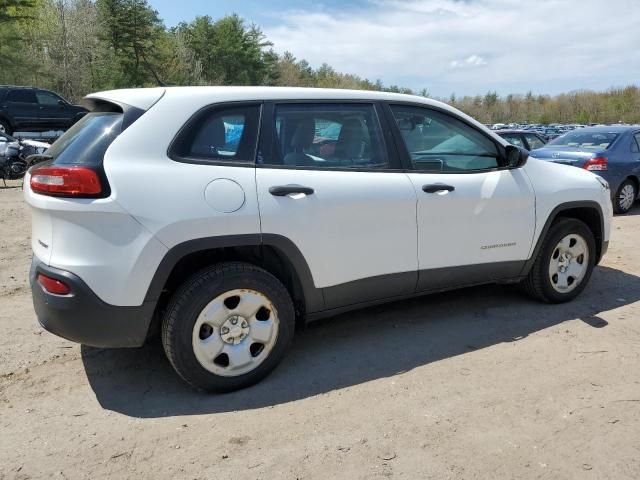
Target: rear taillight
pixel 65 181
pixel 52 285
pixel 597 164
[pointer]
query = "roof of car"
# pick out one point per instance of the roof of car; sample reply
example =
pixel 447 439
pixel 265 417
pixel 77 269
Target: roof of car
pixel 504 130
pixel 609 128
pixel 145 98
pixel 265 93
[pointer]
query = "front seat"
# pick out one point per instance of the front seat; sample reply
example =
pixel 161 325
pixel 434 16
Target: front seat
pixel 350 144
pixel 301 140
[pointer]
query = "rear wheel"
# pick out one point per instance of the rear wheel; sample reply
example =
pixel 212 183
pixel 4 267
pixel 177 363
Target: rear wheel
pixel 625 197
pixel 228 327
pixel 564 263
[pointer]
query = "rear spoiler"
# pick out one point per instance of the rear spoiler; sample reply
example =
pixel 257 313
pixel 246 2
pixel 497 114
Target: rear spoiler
pixel 138 98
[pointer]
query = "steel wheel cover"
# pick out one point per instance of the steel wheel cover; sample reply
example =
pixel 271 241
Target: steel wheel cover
pixel 569 263
pixel 235 332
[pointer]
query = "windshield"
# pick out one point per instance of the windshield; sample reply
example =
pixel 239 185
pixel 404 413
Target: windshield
pixel 583 139
pixel 86 142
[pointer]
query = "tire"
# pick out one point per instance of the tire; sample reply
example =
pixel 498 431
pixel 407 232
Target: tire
pixel 625 197
pixel 5 127
pixel 223 297
pixel 541 284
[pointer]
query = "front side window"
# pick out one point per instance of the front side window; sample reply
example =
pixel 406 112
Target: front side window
pixel 219 134
pixel 47 98
pixel 534 141
pixel 439 142
pixel 327 136
pixel 22 96
pixel 635 142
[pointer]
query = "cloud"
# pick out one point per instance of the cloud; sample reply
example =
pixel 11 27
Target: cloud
pixel 548 46
pixel 470 61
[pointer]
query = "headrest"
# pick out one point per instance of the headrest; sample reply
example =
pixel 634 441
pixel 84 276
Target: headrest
pixel 304 134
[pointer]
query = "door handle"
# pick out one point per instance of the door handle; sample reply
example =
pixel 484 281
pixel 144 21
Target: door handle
pixel 284 190
pixel 437 187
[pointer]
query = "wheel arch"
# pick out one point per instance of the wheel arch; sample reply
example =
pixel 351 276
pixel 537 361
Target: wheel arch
pixel 276 254
pixel 588 212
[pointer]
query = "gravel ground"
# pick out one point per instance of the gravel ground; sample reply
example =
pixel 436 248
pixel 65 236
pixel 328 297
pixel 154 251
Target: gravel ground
pixel 480 383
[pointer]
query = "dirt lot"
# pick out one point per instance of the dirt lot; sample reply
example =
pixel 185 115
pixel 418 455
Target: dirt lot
pixel 480 383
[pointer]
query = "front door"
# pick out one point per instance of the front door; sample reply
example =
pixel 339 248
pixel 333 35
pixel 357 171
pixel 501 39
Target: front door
pixel 476 219
pixel 54 112
pixel 328 183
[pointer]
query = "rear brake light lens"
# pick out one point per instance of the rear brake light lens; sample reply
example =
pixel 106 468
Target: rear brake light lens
pixel 65 181
pixel 52 285
pixel 597 164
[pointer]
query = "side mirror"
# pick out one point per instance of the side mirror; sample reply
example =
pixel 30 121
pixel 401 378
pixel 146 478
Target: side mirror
pixel 3 140
pixel 516 156
pixel 61 102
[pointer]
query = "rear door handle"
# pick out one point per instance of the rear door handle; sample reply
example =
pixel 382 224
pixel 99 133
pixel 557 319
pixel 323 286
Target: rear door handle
pixel 437 187
pixel 284 190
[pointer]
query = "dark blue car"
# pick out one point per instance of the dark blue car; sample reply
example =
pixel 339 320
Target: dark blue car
pixel 611 152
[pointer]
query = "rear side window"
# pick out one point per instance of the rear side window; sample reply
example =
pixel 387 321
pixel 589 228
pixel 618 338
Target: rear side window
pixel 219 134
pixel 86 142
pixel 22 96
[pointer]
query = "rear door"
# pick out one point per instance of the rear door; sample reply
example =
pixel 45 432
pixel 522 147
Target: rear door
pixel 327 181
pixel 476 219
pixel 23 107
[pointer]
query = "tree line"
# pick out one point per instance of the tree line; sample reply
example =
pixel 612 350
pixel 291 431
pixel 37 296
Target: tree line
pixel 79 46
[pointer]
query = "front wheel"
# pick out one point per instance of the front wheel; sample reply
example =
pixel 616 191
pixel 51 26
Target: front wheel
pixel 564 263
pixel 228 327
pixel 625 196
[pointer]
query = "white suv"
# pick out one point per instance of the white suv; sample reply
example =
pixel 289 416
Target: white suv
pixel 222 215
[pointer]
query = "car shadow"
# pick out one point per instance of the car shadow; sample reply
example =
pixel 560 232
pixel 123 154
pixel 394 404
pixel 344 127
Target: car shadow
pixel 354 348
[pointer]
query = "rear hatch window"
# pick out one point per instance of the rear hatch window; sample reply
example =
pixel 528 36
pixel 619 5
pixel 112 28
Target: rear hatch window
pixel 86 142
pixel 581 139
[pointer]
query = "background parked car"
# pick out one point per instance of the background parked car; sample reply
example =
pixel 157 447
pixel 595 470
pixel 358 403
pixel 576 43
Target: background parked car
pixel 34 109
pixel 552 133
pixel 611 152
pixel 523 138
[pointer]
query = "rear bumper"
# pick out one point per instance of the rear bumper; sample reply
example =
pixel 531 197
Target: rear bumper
pixel 83 317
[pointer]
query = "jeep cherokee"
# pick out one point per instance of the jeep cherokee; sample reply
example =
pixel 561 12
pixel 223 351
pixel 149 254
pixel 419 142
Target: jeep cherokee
pixel 221 215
